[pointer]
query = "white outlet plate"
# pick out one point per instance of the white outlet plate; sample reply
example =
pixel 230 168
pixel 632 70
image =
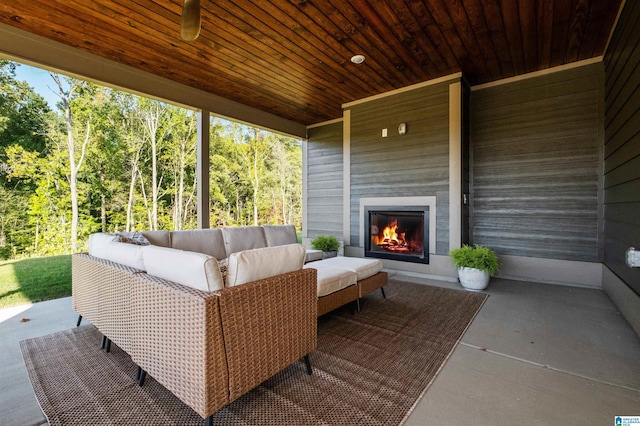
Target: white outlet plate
pixel 384 133
pixel 632 257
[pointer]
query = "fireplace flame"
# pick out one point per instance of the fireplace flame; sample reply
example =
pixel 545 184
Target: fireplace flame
pixel 390 236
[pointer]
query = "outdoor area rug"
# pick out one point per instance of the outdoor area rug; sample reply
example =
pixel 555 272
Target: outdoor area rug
pixel 369 368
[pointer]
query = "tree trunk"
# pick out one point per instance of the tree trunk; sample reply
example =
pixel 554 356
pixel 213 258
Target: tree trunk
pixel 74 166
pixel 35 248
pixel 154 182
pixel 103 202
pixel 132 184
pixel 146 203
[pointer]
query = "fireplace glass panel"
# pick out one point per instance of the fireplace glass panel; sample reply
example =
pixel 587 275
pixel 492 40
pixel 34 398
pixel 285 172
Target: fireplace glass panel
pixel 398 235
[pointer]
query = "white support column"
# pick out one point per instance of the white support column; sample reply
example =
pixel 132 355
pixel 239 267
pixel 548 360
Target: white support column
pixel 455 165
pixel 346 173
pixel 305 187
pixel 202 169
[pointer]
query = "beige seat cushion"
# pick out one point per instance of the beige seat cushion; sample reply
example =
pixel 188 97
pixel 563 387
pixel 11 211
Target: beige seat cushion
pixel 243 238
pixel 331 278
pixel 252 265
pixel 207 241
pixel 364 268
pixel 195 270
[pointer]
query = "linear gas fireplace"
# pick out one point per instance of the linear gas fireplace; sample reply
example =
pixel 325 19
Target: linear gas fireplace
pixel 397 233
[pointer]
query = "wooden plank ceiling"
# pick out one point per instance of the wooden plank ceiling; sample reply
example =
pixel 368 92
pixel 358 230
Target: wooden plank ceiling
pixel 292 58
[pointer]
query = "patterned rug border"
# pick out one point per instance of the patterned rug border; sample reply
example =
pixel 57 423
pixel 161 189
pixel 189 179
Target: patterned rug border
pixel 340 319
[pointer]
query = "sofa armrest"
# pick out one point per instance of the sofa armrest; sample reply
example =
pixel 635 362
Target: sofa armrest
pixel 268 325
pixel 101 293
pixel 179 341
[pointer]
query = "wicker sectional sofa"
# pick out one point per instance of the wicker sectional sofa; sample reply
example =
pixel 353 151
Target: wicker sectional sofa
pixel 207 347
pixel 207 338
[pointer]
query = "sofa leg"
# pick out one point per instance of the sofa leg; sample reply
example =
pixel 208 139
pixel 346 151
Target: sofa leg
pixel 358 305
pixel 138 372
pixel 103 343
pixel 79 320
pixel 143 375
pixel 307 363
pixel 209 421
pixel 107 349
pixel 384 296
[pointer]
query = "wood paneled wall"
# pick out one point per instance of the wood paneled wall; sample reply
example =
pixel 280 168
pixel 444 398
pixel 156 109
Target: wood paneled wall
pixel 622 148
pixel 324 181
pixel 535 159
pixel 414 164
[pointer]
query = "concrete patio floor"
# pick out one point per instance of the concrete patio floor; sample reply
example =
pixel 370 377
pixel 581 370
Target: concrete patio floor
pixel 536 354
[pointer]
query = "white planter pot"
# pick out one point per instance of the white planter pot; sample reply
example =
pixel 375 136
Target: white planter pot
pixel 473 279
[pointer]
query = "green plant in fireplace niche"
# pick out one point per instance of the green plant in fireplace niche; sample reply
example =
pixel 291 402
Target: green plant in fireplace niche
pixel 325 243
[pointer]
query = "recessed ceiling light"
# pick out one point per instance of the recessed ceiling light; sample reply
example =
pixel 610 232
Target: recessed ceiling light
pixel 357 59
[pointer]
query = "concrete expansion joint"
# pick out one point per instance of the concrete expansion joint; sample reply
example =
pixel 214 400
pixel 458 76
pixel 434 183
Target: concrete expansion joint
pixel 548 367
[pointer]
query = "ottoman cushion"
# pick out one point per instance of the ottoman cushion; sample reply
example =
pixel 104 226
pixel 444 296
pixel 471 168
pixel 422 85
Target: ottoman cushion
pixel 364 268
pixel 331 278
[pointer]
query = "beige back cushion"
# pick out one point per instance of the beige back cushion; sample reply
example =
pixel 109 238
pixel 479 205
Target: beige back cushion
pixel 243 238
pixel 158 238
pixel 195 270
pixel 252 265
pixel 279 235
pixel 207 241
pixel 107 246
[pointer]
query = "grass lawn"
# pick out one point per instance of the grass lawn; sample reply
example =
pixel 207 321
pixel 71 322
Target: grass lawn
pixel 34 280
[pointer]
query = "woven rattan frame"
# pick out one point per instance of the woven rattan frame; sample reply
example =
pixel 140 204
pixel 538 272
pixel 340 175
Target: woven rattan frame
pixel 267 325
pixel 179 342
pixel 101 293
pixel 336 299
pixel 206 348
pixel 374 282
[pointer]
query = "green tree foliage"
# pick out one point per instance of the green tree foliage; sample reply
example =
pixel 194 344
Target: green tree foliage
pixel 119 162
pixel 23 122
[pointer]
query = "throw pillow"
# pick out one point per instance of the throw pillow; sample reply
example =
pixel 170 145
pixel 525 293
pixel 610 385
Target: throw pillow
pixel 133 238
pixel 224 269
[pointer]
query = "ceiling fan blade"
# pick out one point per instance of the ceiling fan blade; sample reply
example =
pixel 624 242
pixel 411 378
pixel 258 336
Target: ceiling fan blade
pixel 191 21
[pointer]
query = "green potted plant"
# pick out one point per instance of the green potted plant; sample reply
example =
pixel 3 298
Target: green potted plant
pixel 328 244
pixel 475 265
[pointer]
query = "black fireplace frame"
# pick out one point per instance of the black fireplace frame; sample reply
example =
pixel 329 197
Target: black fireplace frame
pixel 397 210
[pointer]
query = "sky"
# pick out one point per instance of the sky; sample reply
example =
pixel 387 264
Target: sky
pixel 41 82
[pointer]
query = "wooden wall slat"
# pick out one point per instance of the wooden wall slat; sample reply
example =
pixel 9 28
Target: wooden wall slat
pixel 623 212
pixel 625 173
pixel 325 181
pixel 628 192
pixel 622 146
pixel 535 165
